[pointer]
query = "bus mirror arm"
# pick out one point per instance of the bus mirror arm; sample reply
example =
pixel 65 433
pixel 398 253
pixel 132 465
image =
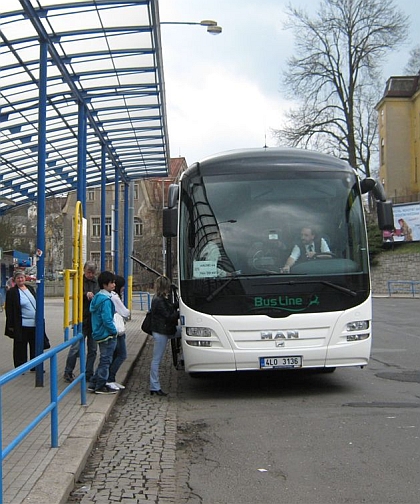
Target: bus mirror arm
pixel 369 184
pixel 152 270
pixel 145 266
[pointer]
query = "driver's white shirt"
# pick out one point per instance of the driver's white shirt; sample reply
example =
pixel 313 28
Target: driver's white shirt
pixel 295 254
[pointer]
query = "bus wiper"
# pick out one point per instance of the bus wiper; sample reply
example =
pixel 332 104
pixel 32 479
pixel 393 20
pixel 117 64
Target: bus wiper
pixel 340 288
pixel 211 296
pixel 324 282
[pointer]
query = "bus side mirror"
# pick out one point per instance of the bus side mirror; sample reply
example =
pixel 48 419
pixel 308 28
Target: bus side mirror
pixel 170 222
pixel 367 184
pixel 385 215
pixel 173 193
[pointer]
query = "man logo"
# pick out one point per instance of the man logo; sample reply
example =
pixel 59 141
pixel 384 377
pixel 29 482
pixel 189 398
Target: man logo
pixel 282 335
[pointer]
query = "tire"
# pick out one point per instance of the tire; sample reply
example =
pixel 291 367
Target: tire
pixel 176 350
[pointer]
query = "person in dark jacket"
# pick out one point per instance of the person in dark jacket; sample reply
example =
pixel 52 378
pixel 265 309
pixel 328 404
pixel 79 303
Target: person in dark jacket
pixel 164 326
pixel 90 288
pixel 20 319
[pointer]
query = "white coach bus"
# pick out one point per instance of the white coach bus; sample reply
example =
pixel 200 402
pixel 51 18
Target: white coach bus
pixel 251 295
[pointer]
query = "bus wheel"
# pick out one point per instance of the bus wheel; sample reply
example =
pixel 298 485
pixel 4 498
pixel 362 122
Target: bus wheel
pixel 176 351
pixel 196 375
pixel 327 369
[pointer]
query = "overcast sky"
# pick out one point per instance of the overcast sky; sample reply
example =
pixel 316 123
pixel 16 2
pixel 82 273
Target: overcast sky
pixel 223 91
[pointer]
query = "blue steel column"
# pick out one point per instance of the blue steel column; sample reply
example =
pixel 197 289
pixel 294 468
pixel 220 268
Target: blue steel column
pixel 81 157
pixel 103 206
pixel 40 239
pixel 130 245
pixel 115 237
pixel 126 235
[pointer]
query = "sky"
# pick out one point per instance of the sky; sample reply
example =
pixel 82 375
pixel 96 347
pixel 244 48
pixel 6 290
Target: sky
pixel 223 92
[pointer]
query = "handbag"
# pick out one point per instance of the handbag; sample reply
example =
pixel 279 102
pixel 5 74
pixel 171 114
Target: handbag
pixel 47 343
pixel 119 323
pixel 146 325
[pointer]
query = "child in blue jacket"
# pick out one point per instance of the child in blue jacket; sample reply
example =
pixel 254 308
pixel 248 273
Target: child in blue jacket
pixel 104 332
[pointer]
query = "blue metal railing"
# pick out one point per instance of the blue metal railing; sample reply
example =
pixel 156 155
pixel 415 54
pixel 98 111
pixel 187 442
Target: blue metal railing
pixel 55 397
pixel 403 287
pixel 144 299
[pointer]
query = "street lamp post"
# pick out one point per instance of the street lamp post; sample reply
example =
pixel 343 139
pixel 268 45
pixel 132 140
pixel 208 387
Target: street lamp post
pixel 214 29
pixel 212 26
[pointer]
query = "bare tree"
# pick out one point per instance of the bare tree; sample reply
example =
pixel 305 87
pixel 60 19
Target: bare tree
pixel 7 231
pixel 334 76
pixel 413 64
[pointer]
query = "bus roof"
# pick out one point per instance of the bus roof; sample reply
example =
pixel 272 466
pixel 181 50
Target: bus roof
pixel 277 158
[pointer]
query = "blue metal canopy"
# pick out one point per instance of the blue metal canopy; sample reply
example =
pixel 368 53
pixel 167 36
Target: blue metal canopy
pixel 103 110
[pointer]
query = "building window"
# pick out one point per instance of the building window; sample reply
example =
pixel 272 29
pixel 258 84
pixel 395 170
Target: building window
pixel 135 192
pixel 21 229
pixel 96 227
pixel 108 261
pixel 382 151
pixel 91 195
pixel 96 258
pixel 108 226
pixel 138 227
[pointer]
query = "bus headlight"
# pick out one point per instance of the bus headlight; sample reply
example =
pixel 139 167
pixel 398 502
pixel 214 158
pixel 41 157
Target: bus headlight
pixel 199 343
pixel 357 337
pixel 199 332
pixel 357 325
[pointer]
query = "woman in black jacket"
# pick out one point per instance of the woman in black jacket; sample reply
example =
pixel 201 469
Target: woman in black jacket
pixel 164 326
pixel 20 319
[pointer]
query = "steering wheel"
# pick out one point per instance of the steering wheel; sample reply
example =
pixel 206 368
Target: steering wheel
pixel 324 255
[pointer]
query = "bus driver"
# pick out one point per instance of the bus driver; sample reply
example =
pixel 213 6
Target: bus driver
pixel 310 246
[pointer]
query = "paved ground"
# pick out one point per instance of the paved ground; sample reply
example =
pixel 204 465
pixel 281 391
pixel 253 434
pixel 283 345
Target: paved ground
pixel 35 472
pixel 134 458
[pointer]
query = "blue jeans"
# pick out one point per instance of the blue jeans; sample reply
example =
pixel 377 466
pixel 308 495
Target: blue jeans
pixel 159 346
pixel 120 354
pixel 106 353
pixel 90 357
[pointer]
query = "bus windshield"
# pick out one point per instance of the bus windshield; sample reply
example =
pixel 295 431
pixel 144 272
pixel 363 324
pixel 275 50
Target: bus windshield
pixel 293 228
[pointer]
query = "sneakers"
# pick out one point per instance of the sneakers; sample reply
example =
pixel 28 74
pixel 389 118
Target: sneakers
pixel 91 388
pixel 115 385
pixel 68 377
pixel 105 390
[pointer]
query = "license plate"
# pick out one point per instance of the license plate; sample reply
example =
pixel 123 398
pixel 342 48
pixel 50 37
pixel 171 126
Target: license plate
pixel 280 362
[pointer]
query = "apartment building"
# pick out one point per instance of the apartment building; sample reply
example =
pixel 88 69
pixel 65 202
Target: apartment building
pixel 149 199
pixel 399 138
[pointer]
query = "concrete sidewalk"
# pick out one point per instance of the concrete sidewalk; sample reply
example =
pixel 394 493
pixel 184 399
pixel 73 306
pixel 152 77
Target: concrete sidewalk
pixel 33 471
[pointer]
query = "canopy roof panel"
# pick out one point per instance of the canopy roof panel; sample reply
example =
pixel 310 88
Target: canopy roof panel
pixel 104 63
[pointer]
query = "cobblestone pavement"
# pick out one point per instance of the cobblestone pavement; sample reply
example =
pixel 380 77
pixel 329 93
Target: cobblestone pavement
pixel 134 458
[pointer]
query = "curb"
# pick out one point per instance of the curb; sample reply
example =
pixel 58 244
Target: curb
pixel 59 478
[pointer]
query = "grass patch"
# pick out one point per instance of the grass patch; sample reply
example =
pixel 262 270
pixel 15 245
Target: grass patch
pixel 402 248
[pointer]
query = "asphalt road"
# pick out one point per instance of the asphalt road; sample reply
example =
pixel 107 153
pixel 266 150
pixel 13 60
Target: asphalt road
pixel 306 437
pixel 290 437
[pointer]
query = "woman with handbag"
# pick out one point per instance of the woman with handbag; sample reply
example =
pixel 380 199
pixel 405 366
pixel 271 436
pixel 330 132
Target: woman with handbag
pixel 20 319
pixel 120 352
pixel 164 326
